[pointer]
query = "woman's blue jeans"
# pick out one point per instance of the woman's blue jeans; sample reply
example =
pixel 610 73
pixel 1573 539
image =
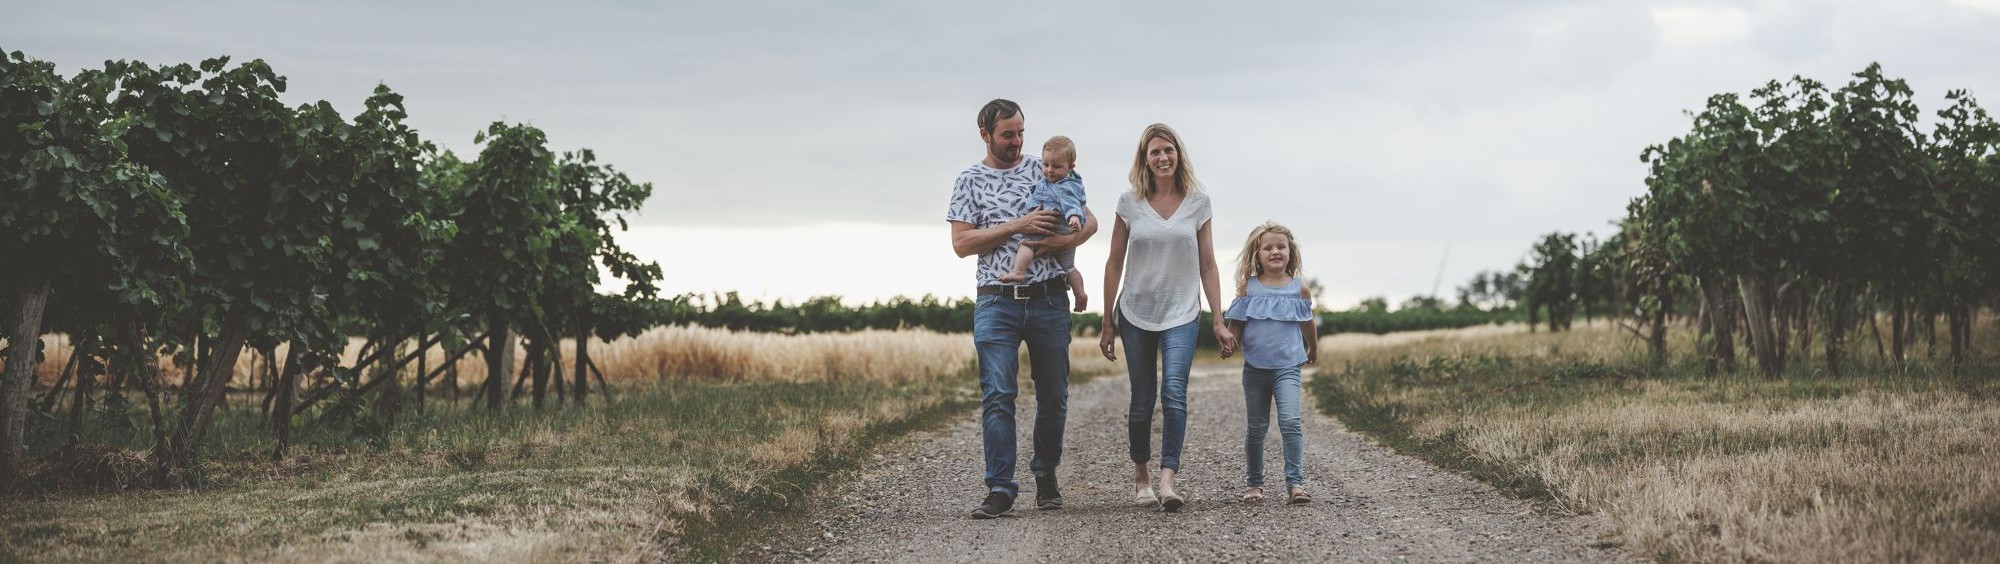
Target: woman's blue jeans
pixel 1261 388
pixel 999 326
pixel 1158 364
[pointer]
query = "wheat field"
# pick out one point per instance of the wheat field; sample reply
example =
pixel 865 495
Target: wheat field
pixel 677 353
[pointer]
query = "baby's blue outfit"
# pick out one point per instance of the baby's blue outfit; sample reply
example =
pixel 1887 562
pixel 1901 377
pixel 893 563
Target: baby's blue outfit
pixel 1273 350
pixel 1067 198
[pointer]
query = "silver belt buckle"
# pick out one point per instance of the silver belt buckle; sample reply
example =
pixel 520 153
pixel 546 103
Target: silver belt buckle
pixel 1019 292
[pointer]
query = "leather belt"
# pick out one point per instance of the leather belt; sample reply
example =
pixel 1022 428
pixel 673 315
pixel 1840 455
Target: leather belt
pixel 1055 285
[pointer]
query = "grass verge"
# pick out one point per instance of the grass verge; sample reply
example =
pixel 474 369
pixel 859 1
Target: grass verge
pixel 690 468
pixel 1887 464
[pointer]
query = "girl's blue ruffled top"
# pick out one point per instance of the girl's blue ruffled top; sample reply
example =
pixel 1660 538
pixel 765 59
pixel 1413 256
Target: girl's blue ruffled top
pixel 1271 334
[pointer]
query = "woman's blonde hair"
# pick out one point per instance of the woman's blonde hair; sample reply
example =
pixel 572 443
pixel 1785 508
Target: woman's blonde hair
pixel 1142 176
pixel 1247 265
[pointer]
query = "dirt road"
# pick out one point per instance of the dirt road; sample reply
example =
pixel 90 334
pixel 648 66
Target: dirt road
pixel 1372 504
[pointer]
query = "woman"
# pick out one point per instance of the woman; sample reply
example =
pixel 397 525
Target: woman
pixel 1164 225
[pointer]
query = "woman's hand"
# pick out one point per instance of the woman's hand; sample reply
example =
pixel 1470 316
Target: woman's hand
pixel 1226 338
pixel 1104 344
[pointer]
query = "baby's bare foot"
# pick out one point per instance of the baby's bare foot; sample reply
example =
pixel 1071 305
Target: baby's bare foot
pixel 1014 277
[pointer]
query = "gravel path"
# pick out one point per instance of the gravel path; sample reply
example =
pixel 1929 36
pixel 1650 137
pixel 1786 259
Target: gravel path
pixel 1371 504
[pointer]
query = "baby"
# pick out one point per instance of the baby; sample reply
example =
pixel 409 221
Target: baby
pixel 1060 191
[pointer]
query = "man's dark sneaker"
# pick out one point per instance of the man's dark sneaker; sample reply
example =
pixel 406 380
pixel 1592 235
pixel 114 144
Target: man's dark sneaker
pixel 1047 496
pixel 997 503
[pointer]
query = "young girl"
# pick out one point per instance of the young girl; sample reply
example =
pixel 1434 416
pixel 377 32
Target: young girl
pixel 1274 322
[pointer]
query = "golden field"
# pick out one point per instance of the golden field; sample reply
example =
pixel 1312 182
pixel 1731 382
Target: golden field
pixel 692 353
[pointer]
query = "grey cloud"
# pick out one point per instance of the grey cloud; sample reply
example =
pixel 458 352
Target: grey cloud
pixel 1391 129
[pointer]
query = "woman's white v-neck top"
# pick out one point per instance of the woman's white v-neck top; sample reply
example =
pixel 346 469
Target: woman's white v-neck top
pixel 1162 286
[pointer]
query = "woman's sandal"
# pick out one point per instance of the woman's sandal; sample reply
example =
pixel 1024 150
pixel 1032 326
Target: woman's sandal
pixel 1170 500
pixel 1145 496
pixel 1299 496
pixel 1253 495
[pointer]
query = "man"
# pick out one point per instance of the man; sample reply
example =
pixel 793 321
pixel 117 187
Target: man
pixel 990 216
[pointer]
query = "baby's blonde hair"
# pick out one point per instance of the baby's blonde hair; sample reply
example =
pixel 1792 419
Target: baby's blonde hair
pixel 1060 145
pixel 1247 265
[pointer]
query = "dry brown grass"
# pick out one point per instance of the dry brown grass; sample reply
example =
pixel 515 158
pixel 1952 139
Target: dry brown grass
pixel 700 353
pixel 1884 465
pixel 1728 475
pixel 716 354
pixel 1592 341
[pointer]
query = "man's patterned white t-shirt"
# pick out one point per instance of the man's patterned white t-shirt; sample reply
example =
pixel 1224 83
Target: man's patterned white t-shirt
pixel 985 197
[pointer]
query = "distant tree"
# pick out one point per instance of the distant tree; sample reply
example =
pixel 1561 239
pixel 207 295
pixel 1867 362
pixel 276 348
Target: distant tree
pixel 1374 304
pixel 1476 293
pixel 1491 290
pixel 1510 288
pixel 1421 303
pixel 1552 275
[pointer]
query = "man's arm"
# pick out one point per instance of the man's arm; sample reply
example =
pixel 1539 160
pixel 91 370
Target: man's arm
pixel 967 240
pixel 1070 241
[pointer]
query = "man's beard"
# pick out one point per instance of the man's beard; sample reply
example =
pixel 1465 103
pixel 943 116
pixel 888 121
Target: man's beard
pixel 1005 155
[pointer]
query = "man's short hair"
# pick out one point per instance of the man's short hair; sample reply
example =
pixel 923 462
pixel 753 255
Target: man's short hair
pixel 996 110
pixel 1061 146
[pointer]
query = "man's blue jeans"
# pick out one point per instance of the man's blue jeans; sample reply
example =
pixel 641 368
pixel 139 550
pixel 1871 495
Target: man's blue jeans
pixel 1173 351
pixel 1261 388
pixel 999 325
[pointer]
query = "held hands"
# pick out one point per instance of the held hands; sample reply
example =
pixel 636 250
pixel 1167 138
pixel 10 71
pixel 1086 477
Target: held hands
pixel 1226 338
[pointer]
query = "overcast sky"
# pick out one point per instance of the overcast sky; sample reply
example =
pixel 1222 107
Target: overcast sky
pixel 807 148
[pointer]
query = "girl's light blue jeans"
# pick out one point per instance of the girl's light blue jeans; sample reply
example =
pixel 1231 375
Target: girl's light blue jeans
pixel 1261 388
pixel 1170 355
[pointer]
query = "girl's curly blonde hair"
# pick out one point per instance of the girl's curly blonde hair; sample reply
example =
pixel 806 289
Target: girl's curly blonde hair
pixel 1247 265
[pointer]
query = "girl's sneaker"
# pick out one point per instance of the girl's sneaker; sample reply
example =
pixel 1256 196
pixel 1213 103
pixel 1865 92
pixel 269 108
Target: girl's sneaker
pixel 1145 496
